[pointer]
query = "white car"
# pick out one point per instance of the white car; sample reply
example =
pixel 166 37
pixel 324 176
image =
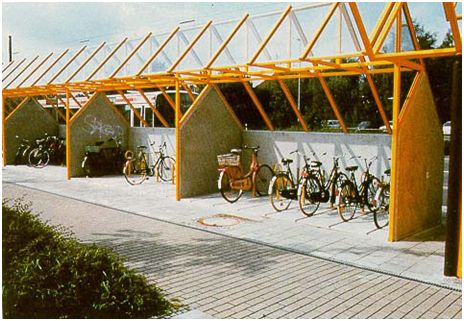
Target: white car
pixel 333 123
pixel 384 128
pixel 447 128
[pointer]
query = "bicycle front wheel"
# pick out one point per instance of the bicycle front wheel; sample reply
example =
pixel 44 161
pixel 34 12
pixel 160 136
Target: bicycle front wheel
pixel 382 213
pixel 230 194
pixel 281 190
pixel 262 179
pixel 309 196
pixel 167 169
pixel 135 171
pixel 39 158
pixel 347 202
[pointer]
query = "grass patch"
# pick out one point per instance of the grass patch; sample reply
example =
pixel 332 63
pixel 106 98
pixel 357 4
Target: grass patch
pixel 47 273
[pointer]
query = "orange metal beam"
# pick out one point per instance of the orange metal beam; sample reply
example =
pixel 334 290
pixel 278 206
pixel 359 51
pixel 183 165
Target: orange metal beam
pixel 178 141
pixel 4 130
pixel 14 69
pixel 153 108
pixel 228 106
pixel 49 67
pixel 168 98
pixel 258 105
pixel 326 20
pixel 195 104
pixel 85 62
pixel 190 46
pixel 333 104
pixel 450 12
pixel 227 41
pixel 136 113
pixel 269 36
pixel 34 70
pixel 361 28
pixel 377 45
pixel 24 101
pixel 68 138
pixel 158 51
pixel 21 72
pixel 55 108
pixel 294 106
pixel 130 55
pixel 189 92
pixel 64 103
pixel 381 22
pixel 104 61
pixel 77 54
pixel 407 101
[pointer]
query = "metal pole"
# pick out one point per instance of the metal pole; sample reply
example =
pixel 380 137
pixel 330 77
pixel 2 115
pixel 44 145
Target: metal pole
pixel 178 142
pixel 3 130
pixel 10 49
pixel 453 216
pixel 68 139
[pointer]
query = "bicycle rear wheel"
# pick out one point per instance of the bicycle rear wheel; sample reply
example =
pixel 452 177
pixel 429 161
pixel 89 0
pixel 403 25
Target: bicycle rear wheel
pixel 167 169
pixel 280 190
pixel 262 179
pixel 347 201
pixel 230 194
pixel 135 171
pixel 382 213
pixel 309 190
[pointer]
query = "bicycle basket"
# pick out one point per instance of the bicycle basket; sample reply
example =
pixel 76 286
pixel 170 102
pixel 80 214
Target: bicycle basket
pixel 228 160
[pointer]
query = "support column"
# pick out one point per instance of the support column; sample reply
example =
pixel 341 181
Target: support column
pixel 3 130
pixel 453 216
pixel 395 129
pixel 68 138
pixel 178 142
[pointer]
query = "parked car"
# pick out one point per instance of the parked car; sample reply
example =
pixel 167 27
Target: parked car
pixel 447 128
pixel 332 123
pixel 384 128
pixel 363 125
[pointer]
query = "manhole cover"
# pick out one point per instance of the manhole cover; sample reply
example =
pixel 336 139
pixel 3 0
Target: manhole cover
pixel 221 220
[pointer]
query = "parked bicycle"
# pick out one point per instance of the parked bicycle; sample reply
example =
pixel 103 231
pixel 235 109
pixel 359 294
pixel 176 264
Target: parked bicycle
pixel 232 182
pixel 283 188
pixel 103 158
pixel 39 157
pixel 381 201
pixel 137 168
pixel 316 189
pixel 22 153
pixel 351 195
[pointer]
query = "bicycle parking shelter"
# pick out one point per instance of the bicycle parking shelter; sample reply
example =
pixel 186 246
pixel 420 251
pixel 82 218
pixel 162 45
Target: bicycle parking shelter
pixel 209 55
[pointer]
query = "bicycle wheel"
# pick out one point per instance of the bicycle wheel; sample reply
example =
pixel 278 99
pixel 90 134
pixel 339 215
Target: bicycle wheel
pixel 135 171
pixel 309 195
pixel 347 202
pixel 382 213
pixel 167 169
pixel 263 177
pixel 38 158
pixel 280 191
pixel 230 194
pixel 338 181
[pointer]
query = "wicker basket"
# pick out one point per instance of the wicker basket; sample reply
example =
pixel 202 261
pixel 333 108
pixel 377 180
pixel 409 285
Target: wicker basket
pixel 228 160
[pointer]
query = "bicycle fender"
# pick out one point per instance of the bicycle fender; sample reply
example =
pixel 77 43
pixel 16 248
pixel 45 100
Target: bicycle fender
pixel 84 161
pixel 220 179
pixel 271 183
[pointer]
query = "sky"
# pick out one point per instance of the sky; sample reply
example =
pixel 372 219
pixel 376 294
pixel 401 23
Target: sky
pixel 40 28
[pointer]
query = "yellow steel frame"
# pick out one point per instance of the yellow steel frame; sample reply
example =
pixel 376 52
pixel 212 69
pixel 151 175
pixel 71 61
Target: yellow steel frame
pixel 369 61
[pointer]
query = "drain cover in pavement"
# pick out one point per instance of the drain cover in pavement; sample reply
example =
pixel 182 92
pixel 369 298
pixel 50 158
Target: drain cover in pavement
pixel 221 220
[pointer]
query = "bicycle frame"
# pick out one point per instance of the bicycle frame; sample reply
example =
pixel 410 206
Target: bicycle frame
pixel 361 190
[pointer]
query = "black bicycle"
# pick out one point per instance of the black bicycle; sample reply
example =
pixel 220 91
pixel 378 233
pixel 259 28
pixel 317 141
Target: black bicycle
pixel 352 196
pixel 137 168
pixel 381 202
pixel 316 189
pixel 283 187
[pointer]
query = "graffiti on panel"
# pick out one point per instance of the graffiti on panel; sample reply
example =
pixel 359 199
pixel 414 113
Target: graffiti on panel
pixel 96 127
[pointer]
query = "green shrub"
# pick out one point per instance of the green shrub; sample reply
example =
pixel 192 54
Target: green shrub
pixel 48 274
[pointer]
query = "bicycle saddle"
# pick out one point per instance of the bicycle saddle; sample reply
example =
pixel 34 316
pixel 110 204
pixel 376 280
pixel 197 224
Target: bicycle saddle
pixel 141 147
pixel 236 151
pixel 286 161
pixel 351 168
pixel 316 163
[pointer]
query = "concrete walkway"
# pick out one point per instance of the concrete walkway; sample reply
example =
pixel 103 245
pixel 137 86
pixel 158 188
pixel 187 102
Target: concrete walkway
pixel 224 277
pixel 356 243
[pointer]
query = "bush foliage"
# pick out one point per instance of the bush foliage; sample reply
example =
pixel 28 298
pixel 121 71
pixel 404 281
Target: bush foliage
pixel 48 274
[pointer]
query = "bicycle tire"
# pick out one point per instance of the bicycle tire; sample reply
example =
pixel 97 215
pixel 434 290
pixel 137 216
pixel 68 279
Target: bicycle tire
pixel 338 181
pixel 230 194
pixel 135 171
pixel 167 169
pixel 87 168
pixel 310 186
pixel 347 203
pixel 262 179
pixel 371 191
pixel 38 158
pixel 278 185
pixel 382 213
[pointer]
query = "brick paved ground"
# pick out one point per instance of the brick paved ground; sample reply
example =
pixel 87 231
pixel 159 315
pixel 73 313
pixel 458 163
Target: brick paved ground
pixel 230 278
